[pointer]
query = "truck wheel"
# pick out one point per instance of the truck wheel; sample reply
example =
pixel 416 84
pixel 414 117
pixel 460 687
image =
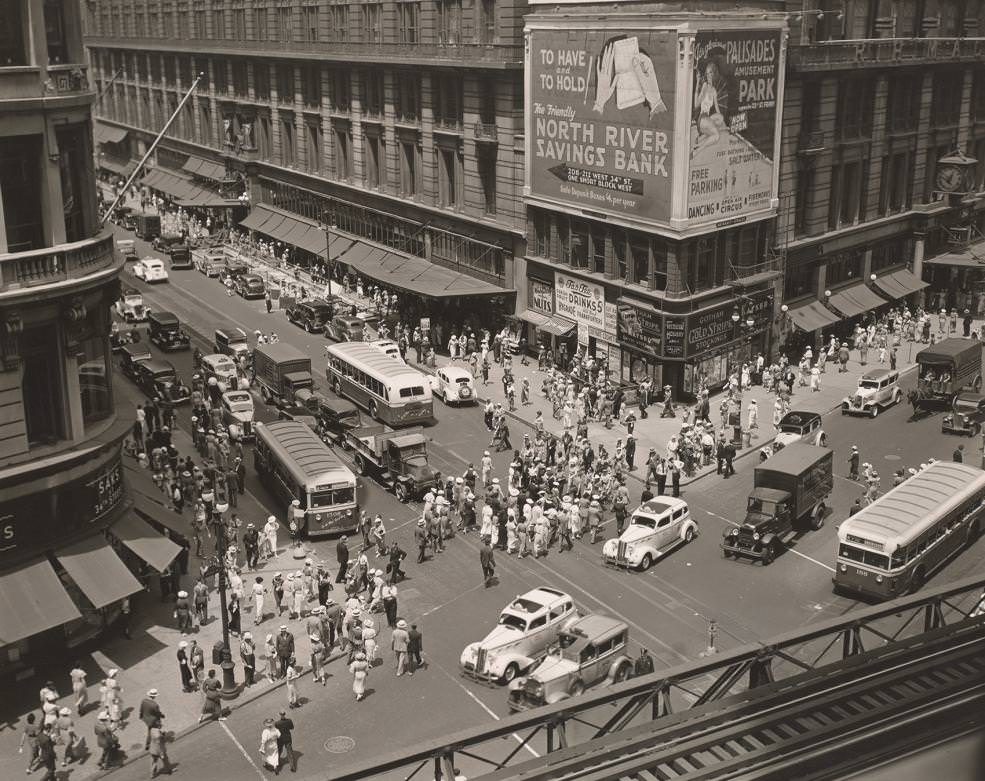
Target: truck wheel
pixel 401 491
pixel 874 411
pixel 646 562
pixel 361 465
pixel 373 411
pixel 817 517
pixel 769 553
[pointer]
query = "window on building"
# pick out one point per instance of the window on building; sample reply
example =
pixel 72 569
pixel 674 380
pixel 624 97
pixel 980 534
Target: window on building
pixel 580 244
pixel 449 164
pixel 260 24
pixel 219 24
pixel 810 106
pixel 205 123
pixel 620 251
pixel 167 21
pixel 449 21
pixel 903 102
pixel 448 99
pixel 409 22
pixel 170 71
pixel 887 254
pixel 977 108
pixel 261 80
pixel 285 83
pixel 42 385
pixel 311 85
pixel 798 280
pixel 285 24
pixel 54 27
pixel 541 240
pixel 221 76
pixel 288 150
pixel 339 20
pixel 140 23
pixel 854 113
pixel 658 280
pixel 410 152
pixel 373 92
pixel 313 146
pixel 241 79
pixel 487 102
pixel 239 24
pixel 341 90
pixel 487 21
pixel 848 186
pixel 374 170
pixel 896 182
pixel 844 267
pixel 639 250
pixel 705 265
pixel 946 101
pixel 343 151
pixel 20 188
pixel 309 23
pixel 200 25
pixel 265 143
pixel 486 163
pixel 930 176
pixel 408 97
pixel 372 14
pixel 93 366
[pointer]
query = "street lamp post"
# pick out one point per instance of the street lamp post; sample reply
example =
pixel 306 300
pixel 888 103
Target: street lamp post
pixel 329 260
pixel 229 687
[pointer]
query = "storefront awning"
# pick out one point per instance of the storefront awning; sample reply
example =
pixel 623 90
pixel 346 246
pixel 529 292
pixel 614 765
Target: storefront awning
pixel 812 316
pixel 32 599
pixel 855 300
pixel 253 220
pixel 414 274
pixel 170 184
pixel 149 544
pixel 206 169
pixel 202 198
pixel 108 134
pixel 98 571
pixel 973 256
pixel 899 284
pixel 121 169
pixel 551 324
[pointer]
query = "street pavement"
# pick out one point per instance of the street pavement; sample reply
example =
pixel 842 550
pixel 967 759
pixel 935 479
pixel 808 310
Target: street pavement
pixel 669 608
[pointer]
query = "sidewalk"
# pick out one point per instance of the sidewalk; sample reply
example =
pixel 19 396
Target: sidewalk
pixel 147 659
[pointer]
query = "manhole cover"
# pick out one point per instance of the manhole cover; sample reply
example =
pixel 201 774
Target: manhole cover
pixel 339 745
pixel 892 457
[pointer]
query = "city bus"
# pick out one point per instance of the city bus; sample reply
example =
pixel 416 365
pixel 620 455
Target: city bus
pixel 891 547
pixel 293 463
pixel 390 390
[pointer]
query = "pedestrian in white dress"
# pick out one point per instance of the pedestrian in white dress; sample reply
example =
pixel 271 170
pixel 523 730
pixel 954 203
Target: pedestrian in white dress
pixel 258 592
pixel 269 749
pixel 270 532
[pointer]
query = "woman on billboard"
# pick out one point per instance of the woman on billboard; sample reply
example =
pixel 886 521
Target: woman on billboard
pixel 710 94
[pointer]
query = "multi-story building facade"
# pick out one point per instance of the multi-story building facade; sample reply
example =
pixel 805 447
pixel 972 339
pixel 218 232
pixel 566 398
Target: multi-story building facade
pixel 398 122
pixel 882 101
pixel 61 477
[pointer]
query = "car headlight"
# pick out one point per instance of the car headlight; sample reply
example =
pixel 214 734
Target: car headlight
pixel 843 567
pixel 318 516
pixel 734 533
pixel 755 536
pixel 964 418
pixel 878 578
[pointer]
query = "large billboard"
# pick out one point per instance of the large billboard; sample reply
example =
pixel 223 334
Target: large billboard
pixel 734 97
pixel 601 108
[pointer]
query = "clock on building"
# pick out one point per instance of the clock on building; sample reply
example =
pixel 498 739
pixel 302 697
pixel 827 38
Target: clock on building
pixel 955 173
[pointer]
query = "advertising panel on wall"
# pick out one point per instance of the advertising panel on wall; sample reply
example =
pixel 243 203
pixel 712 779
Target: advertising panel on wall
pixel 601 107
pixel 735 88
pixel 640 328
pixel 714 328
pixel 579 300
pixel 542 296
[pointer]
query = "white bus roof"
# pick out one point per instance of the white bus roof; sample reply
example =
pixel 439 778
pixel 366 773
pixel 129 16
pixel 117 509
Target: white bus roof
pixel 904 513
pixel 300 449
pixel 370 357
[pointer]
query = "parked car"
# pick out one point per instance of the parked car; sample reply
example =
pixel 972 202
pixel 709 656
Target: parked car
pixel 655 528
pixel 877 390
pixel 150 270
pixel 251 286
pixel 966 415
pixel 343 328
pixel 209 261
pixel 159 378
pixel 181 257
pixel 127 249
pixel 233 270
pixel 311 315
pixel 165 331
pixel 591 651
pixel 527 627
pixel 131 356
pixel 453 384
pixel 237 414
pixel 389 347
pixel 222 367
pixel 232 340
pixel 798 426
pixel 131 306
pixel 335 418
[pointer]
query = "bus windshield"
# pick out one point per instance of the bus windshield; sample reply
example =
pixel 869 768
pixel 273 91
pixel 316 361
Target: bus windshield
pixel 322 499
pixel 862 556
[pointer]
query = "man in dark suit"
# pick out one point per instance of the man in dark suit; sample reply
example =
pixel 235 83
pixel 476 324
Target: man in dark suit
pixel 729 458
pixel 487 561
pixel 150 713
pixel 415 645
pixel 342 556
pixel 285 742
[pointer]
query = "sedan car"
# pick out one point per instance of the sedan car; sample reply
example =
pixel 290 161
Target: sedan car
pixel 656 527
pixel 592 650
pixel 131 306
pixel 877 390
pixel 222 367
pixel 251 286
pixel 798 426
pixel 237 414
pixel 311 315
pixel 150 270
pixel 527 627
pixel 159 378
pixel 454 385
pixel 966 415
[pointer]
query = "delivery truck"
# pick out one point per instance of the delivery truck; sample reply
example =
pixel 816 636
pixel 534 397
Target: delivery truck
pixel 280 370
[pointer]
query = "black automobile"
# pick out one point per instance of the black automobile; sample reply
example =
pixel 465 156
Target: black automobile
pixel 181 257
pixel 966 415
pixel 233 270
pixel 165 331
pixel 159 378
pixel 131 356
pixel 335 417
pixel 311 315
pixel 251 286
